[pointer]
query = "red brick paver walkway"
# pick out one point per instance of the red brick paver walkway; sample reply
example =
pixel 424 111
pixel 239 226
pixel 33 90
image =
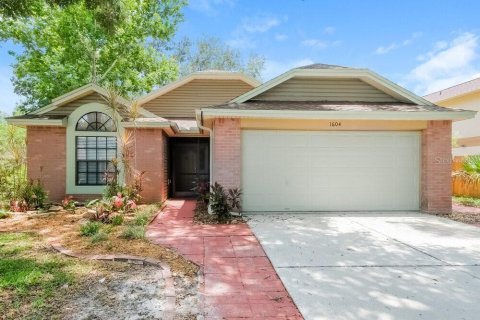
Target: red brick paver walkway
pixel 240 281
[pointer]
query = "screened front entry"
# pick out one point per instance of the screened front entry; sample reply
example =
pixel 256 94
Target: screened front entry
pixel 189 162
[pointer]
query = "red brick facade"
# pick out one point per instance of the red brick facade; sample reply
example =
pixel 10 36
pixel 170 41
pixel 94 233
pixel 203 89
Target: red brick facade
pixel 151 152
pixel 227 153
pixel 46 159
pixel 436 186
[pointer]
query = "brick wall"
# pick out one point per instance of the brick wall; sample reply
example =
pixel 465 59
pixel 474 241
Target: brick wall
pixel 46 159
pixel 150 153
pixel 436 186
pixel 227 152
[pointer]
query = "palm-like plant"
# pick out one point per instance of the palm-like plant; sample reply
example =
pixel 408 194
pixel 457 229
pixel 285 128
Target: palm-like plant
pixel 471 168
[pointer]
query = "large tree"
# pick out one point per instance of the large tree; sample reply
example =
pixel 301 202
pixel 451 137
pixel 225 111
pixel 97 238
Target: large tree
pixel 67 46
pixel 212 54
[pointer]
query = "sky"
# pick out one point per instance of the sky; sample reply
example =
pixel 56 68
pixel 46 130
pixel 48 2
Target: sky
pixel 424 45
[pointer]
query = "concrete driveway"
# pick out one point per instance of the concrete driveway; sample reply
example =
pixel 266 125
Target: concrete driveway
pixel 375 266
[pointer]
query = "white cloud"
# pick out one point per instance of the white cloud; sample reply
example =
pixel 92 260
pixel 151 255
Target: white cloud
pixel 281 37
pixel 447 64
pixel 9 98
pixel 259 24
pixel 320 44
pixel 395 45
pixel 275 68
pixel 329 30
pixel 242 36
pixel 209 7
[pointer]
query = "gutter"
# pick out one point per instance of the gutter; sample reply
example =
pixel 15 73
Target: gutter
pixel 345 115
pixel 210 131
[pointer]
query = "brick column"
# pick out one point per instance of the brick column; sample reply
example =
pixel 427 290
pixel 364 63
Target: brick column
pixel 46 159
pixel 150 156
pixel 436 186
pixel 227 153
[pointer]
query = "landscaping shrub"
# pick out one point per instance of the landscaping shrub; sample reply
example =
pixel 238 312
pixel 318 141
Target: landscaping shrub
pixel 69 204
pixel 117 220
pixel 141 219
pixel 134 232
pixel 90 228
pixel 223 202
pixel 4 215
pixel 99 236
pixel 202 187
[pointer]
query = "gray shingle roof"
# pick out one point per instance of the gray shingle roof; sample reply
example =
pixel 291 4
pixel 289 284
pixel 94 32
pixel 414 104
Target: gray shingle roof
pixel 330 106
pixel 323 66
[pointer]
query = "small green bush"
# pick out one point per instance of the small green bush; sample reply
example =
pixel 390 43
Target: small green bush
pixel 134 232
pixel 90 228
pixel 99 236
pixel 117 220
pixel 141 219
pixel 4 215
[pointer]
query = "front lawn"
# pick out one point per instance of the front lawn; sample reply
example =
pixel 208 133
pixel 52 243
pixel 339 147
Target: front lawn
pixel 32 276
pixel 124 234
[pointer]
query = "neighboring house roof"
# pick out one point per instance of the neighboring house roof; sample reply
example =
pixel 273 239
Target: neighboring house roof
pixel 337 72
pixel 200 75
pixel 454 91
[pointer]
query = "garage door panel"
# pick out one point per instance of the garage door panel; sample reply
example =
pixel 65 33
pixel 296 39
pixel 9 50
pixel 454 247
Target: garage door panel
pixel 330 171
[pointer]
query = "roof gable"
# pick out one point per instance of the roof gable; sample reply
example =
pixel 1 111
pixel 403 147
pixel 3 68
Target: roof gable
pixel 380 87
pixel 203 75
pixel 65 104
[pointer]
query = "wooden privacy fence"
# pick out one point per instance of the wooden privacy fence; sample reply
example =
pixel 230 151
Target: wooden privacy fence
pixel 461 185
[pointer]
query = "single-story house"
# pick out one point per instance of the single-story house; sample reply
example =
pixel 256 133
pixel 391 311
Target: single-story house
pixel 466 133
pixel 316 138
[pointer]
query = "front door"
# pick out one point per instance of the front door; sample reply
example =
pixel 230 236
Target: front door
pixel 189 162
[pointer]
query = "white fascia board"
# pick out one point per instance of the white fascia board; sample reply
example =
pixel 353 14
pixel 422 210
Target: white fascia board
pixel 149 124
pixel 352 115
pixel 38 122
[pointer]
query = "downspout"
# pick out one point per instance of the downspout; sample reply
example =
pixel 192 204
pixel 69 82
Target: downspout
pixel 210 131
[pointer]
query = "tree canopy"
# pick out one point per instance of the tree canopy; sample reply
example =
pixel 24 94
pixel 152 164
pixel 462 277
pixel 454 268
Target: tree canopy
pixel 212 54
pixel 67 43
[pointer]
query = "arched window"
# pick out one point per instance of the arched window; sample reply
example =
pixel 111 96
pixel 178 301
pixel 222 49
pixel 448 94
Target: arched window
pixel 96 147
pixel 96 121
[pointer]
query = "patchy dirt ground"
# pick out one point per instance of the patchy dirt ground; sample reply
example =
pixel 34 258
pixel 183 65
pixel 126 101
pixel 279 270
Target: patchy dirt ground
pixel 64 228
pixel 129 292
pixel 115 290
pixel 465 214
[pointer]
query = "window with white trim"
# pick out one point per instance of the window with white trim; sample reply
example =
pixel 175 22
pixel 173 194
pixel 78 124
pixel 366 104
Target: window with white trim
pixel 94 153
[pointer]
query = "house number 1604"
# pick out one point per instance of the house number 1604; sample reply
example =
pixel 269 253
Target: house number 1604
pixel 335 124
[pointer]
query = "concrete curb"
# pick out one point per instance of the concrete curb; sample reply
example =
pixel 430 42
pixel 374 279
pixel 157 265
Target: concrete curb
pixel 165 269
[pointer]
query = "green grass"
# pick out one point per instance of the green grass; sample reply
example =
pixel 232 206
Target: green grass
pixel 467 201
pixel 28 276
pixel 99 237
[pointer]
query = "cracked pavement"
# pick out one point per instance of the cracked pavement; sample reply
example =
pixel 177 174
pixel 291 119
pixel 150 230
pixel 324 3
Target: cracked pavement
pixel 402 265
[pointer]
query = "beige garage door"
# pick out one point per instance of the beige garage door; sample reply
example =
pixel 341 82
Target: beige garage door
pixel 330 171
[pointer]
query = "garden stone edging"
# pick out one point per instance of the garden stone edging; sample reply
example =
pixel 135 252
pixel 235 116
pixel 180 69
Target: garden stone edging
pixel 166 272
